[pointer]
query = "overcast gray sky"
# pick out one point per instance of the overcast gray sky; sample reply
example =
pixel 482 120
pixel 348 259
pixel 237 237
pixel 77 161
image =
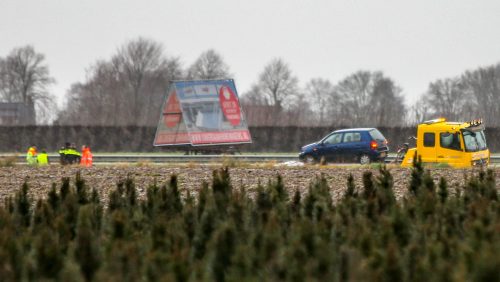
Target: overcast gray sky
pixel 413 42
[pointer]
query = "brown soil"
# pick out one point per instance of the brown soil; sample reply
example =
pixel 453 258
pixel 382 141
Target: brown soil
pixel 105 178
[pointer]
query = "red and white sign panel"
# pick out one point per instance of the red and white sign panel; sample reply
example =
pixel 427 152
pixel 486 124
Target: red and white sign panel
pixel 172 111
pixel 203 112
pixel 171 129
pixel 225 137
pixel 229 105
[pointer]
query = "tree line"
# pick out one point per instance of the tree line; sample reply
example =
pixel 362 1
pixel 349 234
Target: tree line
pixel 129 88
pixel 471 95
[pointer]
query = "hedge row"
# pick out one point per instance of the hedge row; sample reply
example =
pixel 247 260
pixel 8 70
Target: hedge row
pixel 140 139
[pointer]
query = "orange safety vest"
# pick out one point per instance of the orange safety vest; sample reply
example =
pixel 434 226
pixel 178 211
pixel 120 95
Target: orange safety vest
pixel 31 156
pixel 86 157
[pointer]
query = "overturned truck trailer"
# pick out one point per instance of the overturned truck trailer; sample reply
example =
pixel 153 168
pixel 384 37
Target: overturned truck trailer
pixel 202 116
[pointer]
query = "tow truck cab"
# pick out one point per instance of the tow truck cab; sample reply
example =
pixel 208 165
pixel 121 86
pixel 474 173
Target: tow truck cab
pixel 458 144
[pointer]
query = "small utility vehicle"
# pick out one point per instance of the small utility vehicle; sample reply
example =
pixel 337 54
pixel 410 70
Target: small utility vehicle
pixel 457 144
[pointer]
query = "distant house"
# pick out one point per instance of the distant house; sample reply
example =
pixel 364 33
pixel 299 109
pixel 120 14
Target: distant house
pixel 16 114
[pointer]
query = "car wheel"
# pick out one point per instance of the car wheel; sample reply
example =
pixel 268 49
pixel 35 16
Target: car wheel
pixel 308 159
pixel 364 159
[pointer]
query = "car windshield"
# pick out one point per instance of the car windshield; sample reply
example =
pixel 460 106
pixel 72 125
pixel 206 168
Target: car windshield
pixel 376 135
pixel 474 141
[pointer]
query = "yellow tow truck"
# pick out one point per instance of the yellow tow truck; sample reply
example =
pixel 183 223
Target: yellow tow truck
pixel 457 144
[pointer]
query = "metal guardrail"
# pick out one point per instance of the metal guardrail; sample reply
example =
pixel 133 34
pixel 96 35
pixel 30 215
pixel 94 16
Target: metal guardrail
pixel 135 158
pixel 189 158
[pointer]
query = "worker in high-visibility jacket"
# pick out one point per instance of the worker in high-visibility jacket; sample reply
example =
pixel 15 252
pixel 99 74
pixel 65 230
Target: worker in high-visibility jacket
pixel 72 155
pixel 86 156
pixel 62 156
pixel 42 158
pixel 31 156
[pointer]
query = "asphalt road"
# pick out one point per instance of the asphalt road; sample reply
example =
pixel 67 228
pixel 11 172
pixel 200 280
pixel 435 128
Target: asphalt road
pixel 180 158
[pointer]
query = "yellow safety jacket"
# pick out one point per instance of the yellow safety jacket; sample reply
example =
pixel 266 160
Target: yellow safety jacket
pixel 43 159
pixel 72 152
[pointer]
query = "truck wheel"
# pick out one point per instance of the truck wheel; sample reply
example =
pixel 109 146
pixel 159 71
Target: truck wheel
pixel 364 159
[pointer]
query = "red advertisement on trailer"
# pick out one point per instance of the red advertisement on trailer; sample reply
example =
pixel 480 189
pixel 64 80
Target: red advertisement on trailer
pixel 202 112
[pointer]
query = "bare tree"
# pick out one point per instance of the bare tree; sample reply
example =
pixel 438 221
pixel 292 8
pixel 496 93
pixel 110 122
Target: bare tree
pixel 419 112
pixel 99 101
pixel 387 104
pixel 256 108
pixel 354 94
pixel 127 90
pixel 482 86
pixel 254 97
pixel 323 99
pixel 474 94
pixel 25 78
pixel 370 99
pixel 276 87
pixel 445 98
pixel 278 84
pixel 133 62
pixel 210 65
pixel 299 112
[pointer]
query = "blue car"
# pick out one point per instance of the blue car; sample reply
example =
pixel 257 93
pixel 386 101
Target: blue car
pixel 363 145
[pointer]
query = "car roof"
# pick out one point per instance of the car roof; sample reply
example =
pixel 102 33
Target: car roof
pixel 354 129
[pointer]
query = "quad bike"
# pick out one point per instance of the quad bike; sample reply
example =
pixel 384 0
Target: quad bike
pixel 401 151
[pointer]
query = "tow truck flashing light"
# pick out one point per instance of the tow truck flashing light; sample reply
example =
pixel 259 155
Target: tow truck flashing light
pixel 475 122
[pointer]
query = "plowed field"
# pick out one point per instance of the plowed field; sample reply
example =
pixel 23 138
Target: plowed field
pixel 105 178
